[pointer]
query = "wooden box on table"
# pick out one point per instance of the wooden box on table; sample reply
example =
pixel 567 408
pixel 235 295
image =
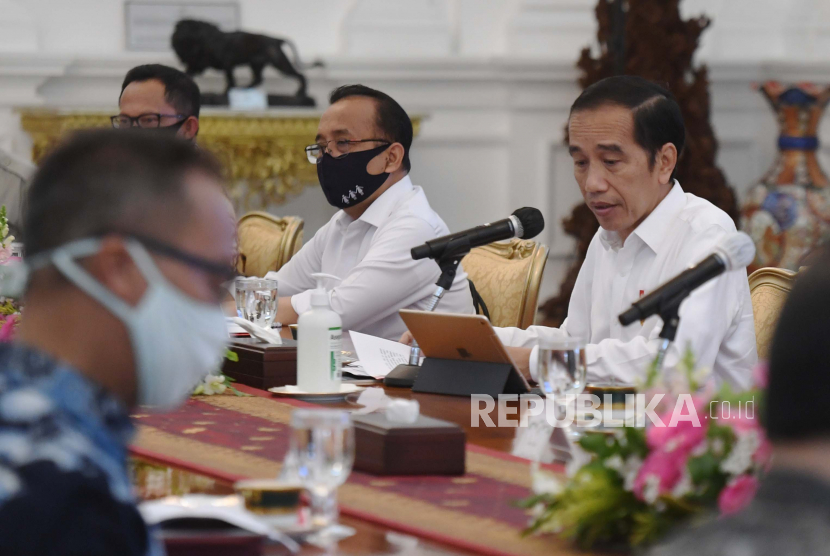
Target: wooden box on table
pixel 263 365
pixel 426 447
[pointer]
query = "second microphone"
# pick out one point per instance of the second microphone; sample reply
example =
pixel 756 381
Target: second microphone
pixel 524 223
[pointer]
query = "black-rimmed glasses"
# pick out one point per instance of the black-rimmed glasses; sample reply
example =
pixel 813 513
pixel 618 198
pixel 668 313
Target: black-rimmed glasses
pixel 342 147
pixel 225 272
pixel 122 121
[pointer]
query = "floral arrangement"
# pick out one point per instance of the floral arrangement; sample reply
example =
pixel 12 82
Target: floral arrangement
pixel 629 488
pixel 10 309
pixel 218 384
pixel 5 239
pixel 9 318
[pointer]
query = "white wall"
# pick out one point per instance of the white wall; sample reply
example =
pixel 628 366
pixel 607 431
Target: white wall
pixel 493 79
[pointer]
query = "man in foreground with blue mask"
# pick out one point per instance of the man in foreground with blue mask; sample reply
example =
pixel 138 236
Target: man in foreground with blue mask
pixel 362 158
pixel 129 242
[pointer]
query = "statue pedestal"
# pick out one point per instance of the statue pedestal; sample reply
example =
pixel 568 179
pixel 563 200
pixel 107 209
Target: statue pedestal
pixel 221 100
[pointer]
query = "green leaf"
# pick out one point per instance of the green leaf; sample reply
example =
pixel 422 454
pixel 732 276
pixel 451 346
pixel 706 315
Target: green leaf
pixel 651 375
pixel 598 443
pixel 635 439
pixel 702 467
pixel 530 501
pixel 231 356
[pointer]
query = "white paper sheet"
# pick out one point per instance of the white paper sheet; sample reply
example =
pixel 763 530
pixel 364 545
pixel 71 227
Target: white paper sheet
pixel 376 356
pixel 234 329
pixel 229 509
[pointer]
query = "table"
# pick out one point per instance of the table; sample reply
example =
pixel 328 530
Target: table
pixel 370 539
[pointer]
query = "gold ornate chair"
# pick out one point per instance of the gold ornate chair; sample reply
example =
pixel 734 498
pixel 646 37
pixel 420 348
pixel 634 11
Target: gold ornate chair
pixel 768 288
pixel 508 276
pixel 267 242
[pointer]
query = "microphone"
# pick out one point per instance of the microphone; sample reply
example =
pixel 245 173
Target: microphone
pixel 525 223
pixel 734 251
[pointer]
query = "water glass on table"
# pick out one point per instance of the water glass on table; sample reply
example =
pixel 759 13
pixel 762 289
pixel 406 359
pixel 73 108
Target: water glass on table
pixel 320 458
pixel 562 374
pixel 257 300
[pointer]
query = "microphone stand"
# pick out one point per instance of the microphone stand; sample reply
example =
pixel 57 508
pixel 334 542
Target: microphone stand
pixel 669 312
pixel 456 250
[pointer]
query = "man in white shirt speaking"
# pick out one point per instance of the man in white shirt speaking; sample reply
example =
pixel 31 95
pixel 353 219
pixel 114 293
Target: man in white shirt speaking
pixel 362 158
pixel 625 136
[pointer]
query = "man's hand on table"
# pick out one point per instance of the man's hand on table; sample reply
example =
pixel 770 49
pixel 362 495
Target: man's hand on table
pixel 285 312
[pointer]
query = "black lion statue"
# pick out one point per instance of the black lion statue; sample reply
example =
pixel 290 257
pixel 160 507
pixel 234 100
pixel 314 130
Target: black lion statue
pixel 201 45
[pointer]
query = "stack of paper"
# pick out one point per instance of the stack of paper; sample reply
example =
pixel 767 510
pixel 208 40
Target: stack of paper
pixel 376 356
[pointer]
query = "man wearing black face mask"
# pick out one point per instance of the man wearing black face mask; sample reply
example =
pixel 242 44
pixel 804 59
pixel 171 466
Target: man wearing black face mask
pixel 159 97
pixel 362 158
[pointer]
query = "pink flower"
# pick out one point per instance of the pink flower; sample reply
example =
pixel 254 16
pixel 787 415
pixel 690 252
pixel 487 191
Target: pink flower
pixel 737 494
pixel 7 329
pixel 760 375
pixel 671 447
pixel 663 467
pixel 684 436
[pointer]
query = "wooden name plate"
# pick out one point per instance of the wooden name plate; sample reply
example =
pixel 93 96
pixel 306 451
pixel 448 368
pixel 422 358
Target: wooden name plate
pixel 426 447
pixel 263 365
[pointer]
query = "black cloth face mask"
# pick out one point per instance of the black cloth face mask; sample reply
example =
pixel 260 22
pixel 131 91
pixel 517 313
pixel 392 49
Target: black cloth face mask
pixel 345 180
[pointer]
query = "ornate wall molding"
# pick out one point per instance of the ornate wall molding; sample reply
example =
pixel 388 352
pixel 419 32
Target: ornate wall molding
pixel 263 153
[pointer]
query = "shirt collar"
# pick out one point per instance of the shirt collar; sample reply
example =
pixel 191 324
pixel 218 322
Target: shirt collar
pixel 652 230
pixel 383 206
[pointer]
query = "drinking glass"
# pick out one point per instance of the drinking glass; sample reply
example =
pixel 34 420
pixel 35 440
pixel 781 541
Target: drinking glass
pixel 320 458
pixel 256 300
pixel 562 372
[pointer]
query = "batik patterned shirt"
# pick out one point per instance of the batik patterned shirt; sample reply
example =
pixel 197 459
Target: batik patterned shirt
pixel 64 484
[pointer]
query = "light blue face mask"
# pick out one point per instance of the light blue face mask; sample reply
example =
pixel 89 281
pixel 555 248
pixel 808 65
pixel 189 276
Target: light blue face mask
pixel 176 340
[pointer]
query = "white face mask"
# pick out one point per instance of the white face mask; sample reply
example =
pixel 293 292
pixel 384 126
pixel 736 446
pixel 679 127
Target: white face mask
pixel 176 340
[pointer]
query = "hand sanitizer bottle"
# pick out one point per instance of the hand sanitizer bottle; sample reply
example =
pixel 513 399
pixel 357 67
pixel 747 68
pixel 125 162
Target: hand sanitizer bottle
pixel 319 336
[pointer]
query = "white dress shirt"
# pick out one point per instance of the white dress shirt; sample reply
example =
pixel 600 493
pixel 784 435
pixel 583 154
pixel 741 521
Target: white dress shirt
pixel 715 320
pixel 372 256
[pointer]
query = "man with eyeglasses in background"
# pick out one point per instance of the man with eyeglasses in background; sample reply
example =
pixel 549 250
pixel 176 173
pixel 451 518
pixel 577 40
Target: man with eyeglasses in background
pixel 154 96
pixel 165 99
pixel 362 158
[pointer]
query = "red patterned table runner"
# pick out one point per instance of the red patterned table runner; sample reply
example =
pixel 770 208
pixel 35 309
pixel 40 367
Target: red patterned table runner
pixel 231 438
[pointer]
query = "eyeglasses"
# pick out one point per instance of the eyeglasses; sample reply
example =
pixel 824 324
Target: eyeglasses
pixel 342 147
pixel 122 121
pixel 225 272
